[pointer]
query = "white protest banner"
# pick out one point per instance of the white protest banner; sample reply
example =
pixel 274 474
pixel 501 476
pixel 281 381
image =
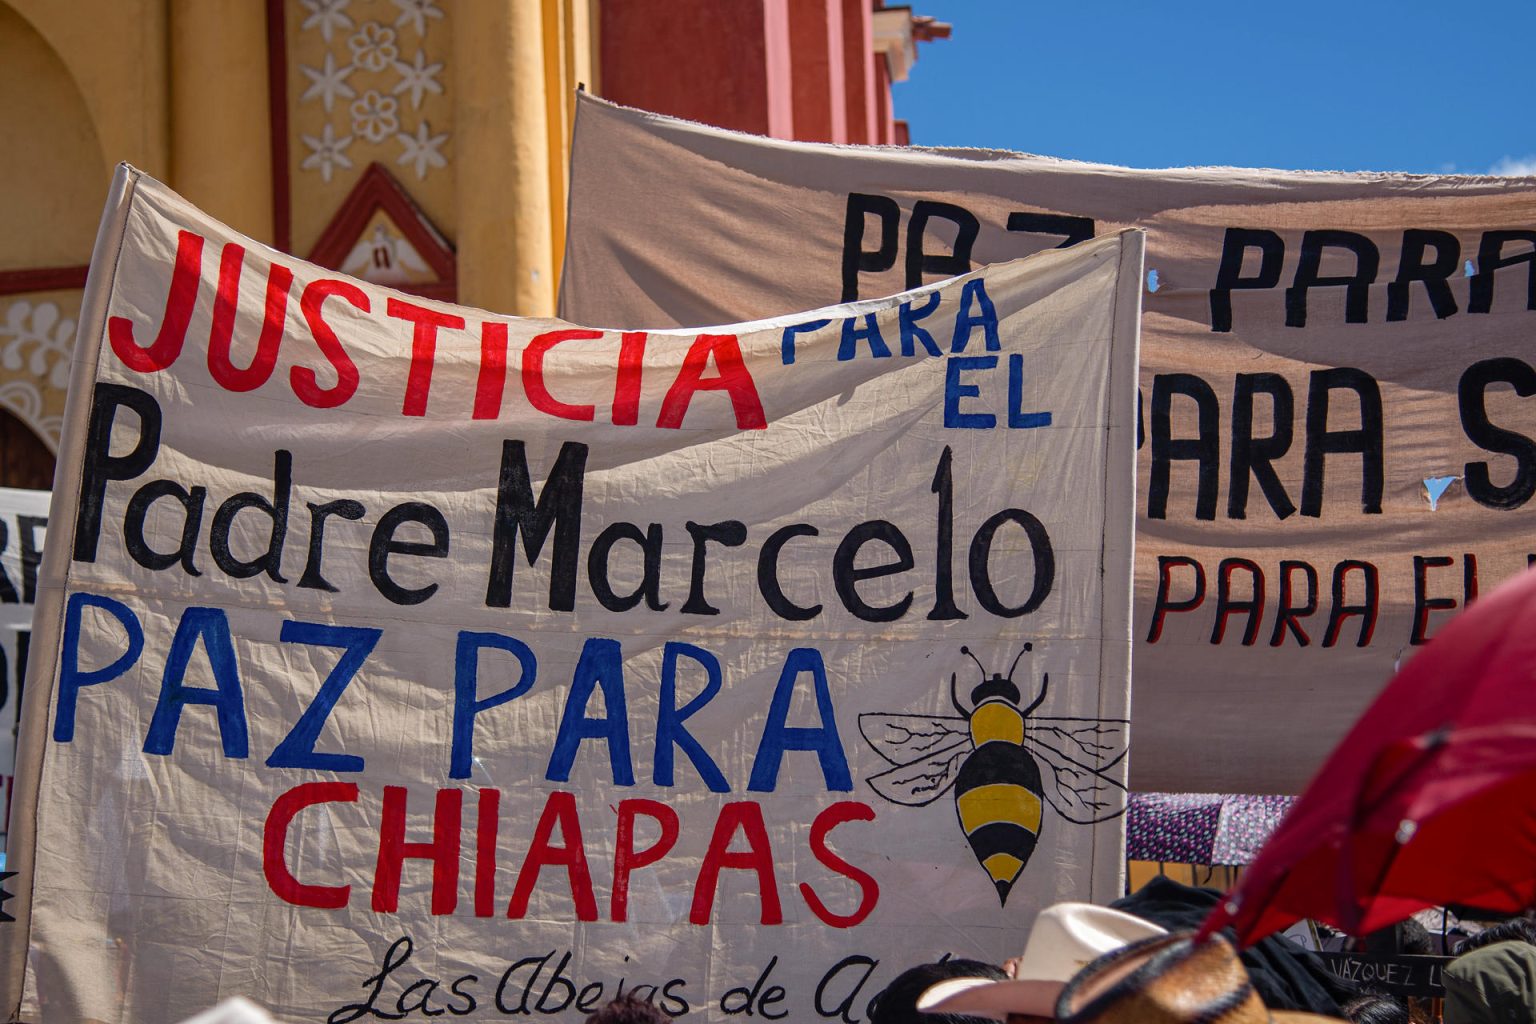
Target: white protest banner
pixel 23 527
pixel 398 660
pixel 1337 439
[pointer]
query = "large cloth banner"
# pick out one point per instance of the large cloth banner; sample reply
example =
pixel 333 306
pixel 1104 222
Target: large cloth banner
pixel 23 528
pixel 1337 430
pixel 399 660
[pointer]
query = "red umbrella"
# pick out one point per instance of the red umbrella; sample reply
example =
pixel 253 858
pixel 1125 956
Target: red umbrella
pixel 1430 798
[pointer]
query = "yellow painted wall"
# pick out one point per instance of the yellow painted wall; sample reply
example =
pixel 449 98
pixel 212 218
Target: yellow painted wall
pixel 179 89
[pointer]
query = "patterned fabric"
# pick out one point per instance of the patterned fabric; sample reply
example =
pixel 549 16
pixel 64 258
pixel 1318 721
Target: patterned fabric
pixel 1200 828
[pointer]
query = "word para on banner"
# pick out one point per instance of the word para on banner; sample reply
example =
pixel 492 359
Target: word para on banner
pixel 1341 417
pixel 561 845
pixel 552 518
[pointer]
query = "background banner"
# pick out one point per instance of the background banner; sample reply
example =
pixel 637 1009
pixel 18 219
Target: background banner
pixel 23 527
pixel 397 659
pixel 1337 439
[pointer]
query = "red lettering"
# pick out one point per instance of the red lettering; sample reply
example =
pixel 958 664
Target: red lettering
pixel 492 381
pixel 747 817
pixel 275 838
pixel 559 809
pixel 869 889
pixel 486 824
pixel 626 390
pixel 442 851
pixel 423 350
pixel 1289 614
pixel 626 858
pixel 733 379
pixel 1226 606
pixel 179 301
pixel 1162 606
pixel 226 303
pixel 306 384
pixel 533 375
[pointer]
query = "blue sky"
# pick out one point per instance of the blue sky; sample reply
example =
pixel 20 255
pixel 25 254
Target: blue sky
pixel 1338 85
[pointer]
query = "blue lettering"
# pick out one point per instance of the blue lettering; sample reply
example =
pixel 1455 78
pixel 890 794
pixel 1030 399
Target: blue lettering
pixel 670 730
pixel 975 292
pixel 601 664
pixel 870 332
pixel 71 678
pixel 779 737
pixel 911 334
pixel 466 691
pixel 297 750
pixel 787 343
pixel 1018 419
pixel 955 390
pixel 212 627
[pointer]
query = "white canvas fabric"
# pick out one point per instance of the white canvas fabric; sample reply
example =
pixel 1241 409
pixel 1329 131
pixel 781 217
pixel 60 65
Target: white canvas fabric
pixel 398 658
pixel 1337 430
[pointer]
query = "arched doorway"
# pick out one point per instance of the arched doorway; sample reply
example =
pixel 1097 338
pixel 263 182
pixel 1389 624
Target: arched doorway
pixel 24 460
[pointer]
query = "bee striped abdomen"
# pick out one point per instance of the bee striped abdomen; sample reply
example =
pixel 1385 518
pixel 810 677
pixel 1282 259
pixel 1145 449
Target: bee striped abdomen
pixel 997 796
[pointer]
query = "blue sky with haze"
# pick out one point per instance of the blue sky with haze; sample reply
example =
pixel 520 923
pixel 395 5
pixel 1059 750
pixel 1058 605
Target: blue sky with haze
pixel 1339 85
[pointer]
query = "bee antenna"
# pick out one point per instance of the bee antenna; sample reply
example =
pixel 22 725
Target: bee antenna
pixel 1022 651
pixel 967 652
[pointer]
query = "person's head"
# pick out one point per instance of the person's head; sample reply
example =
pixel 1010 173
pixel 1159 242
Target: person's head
pixel 1494 984
pixel 1414 939
pixel 897 1002
pixel 629 1009
pixel 1063 940
pixel 1375 1010
pixel 1516 929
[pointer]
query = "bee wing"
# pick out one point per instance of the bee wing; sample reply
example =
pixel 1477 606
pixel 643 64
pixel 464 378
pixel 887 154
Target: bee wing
pixel 922 781
pixel 910 739
pixel 1080 753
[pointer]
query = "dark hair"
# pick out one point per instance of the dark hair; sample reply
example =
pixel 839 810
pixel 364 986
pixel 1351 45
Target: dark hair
pixel 1375 1010
pixel 1414 939
pixel 897 1002
pixel 630 1009
pixel 1516 929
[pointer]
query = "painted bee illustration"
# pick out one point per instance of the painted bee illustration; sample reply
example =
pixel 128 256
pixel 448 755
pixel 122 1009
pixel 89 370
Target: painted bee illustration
pixel 987 755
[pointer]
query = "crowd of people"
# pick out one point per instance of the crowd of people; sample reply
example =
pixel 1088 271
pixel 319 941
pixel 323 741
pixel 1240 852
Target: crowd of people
pixel 1138 962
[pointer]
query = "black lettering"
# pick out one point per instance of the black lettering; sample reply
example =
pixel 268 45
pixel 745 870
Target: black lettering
pixel 1227 606
pixel 101 466
pixel 558 508
pixel 846 576
pixel 1322 442
pixel 649 587
pixel 1229 274
pixel 1289 615
pixel 1471 395
pixel 1164 604
pixel 191 524
pixel 1205 449
pixel 1366 611
pixel 731 533
pixel 957 260
pixel 1256 455
pixel 346 508
pixel 944 607
pixel 981 563
pixel 857 259
pixel 384 544
pixel 1357 286
pixel 1434 276
pixel 768 573
pixel 1072 229
pixel 394 958
pixel 1491 258
pixel 270 560
pixel 843 1009
pixel 1422 604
